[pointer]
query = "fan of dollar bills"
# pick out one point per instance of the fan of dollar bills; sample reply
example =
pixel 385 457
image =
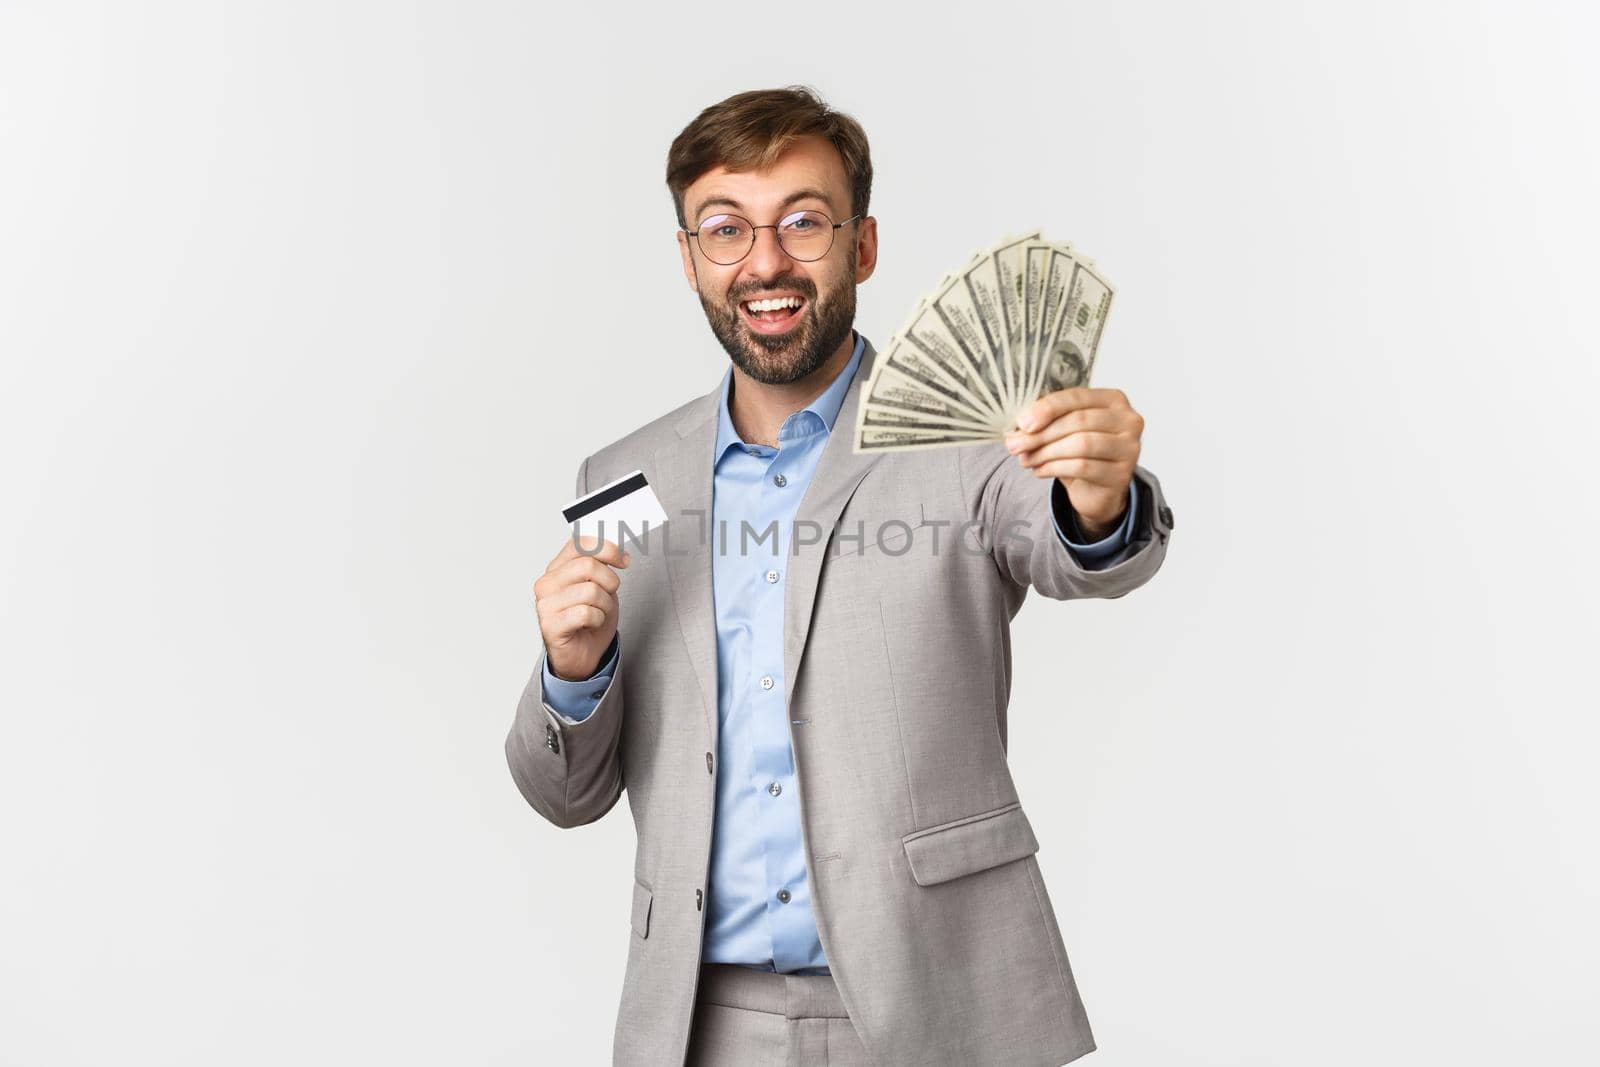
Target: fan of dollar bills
pixel 1022 319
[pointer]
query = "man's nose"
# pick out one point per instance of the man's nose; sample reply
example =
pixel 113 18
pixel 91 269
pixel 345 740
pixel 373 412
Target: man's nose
pixel 768 259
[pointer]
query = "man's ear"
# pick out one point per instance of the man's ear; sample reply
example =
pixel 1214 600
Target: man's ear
pixel 688 262
pixel 866 248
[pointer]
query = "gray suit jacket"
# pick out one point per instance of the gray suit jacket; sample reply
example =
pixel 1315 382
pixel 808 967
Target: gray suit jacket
pixel 926 892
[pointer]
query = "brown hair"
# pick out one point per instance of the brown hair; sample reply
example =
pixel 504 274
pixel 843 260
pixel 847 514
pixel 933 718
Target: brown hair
pixel 749 131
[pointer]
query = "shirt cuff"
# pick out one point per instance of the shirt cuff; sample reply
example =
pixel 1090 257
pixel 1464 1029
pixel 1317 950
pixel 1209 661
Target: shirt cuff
pixel 1066 523
pixel 576 701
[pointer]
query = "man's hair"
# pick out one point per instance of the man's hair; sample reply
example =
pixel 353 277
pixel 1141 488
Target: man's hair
pixel 749 131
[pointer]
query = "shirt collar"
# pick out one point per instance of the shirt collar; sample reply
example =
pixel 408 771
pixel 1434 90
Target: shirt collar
pixel 825 407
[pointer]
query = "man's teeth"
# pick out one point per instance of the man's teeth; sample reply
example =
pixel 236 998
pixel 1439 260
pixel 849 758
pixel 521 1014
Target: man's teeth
pixel 773 304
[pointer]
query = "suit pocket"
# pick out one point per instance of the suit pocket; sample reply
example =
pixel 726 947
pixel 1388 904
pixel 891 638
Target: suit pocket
pixel 641 908
pixel 968 845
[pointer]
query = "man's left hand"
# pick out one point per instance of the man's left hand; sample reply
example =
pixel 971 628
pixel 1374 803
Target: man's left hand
pixel 1088 439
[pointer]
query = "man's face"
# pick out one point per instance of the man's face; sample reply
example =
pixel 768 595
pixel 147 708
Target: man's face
pixel 780 347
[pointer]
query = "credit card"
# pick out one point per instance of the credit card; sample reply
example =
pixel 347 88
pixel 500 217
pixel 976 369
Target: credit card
pixel 627 503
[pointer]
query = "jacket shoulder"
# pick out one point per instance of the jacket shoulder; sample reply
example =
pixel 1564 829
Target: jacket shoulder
pixel 636 449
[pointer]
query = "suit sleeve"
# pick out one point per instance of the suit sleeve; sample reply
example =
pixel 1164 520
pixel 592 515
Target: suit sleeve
pixel 576 701
pixel 1016 518
pixel 569 770
pixel 1066 524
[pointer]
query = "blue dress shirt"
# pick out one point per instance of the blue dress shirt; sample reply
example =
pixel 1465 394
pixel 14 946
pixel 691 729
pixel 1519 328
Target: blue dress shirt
pixel 758 907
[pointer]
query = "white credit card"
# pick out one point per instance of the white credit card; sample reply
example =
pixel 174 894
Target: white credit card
pixel 624 507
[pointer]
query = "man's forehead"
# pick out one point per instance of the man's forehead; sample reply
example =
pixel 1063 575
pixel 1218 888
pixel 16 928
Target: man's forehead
pixel 801 170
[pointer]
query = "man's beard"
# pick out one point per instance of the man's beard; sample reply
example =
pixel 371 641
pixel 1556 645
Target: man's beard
pixel 780 360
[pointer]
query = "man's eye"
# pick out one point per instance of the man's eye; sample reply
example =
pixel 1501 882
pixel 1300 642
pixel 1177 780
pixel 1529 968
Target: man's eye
pixel 729 230
pixel 802 225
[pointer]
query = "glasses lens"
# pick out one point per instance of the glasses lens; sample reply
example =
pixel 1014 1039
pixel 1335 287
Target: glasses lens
pixel 806 235
pixel 725 238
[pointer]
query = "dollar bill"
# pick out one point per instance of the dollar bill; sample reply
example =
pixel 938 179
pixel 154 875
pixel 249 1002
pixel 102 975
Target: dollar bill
pixel 955 307
pixel 1036 264
pixel 982 293
pixel 944 376
pixel 1010 273
pixel 1070 353
pixel 897 396
pixel 1019 319
pixel 882 439
pixel 928 346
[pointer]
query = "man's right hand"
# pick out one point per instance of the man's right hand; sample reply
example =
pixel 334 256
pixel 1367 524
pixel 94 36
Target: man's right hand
pixel 577 603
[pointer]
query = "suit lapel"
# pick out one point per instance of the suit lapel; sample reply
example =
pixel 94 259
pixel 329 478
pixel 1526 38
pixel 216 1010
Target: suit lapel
pixel 839 471
pixel 685 486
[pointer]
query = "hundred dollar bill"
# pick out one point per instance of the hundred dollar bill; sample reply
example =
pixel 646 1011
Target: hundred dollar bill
pixel 1036 264
pixel 914 367
pixel 982 283
pixel 1069 358
pixel 927 341
pixel 881 439
pixel 893 393
pixel 895 419
pixel 1020 319
pixel 927 333
pixel 1010 273
pixel 1052 304
pixel 961 304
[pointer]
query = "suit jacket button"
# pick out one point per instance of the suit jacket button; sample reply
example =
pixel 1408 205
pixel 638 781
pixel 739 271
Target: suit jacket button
pixel 552 740
pixel 1166 516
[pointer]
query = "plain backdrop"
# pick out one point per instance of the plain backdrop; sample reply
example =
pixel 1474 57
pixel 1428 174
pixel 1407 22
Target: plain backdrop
pixel 310 311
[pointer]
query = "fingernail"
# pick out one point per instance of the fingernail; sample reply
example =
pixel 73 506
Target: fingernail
pixel 1013 443
pixel 1029 422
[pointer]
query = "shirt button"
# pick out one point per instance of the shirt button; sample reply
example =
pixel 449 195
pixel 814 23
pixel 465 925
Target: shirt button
pixel 774 788
pixel 783 895
pixel 779 480
pixel 766 681
pixel 772 577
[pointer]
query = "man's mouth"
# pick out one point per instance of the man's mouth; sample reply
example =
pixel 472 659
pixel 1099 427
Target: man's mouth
pixel 773 314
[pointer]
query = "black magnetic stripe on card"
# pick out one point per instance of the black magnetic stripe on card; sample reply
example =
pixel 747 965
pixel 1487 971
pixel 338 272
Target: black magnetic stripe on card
pixel 583 507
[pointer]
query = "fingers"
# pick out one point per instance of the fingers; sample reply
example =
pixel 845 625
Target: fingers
pixel 571 569
pixel 1053 405
pixel 1104 420
pixel 582 595
pixel 1094 471
pixel 1085 444
pixel 586 568
pixel 608 552
pixel 583 606
pixel 553 585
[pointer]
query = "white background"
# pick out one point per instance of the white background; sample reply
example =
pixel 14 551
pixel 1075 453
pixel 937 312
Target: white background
pixel 308 313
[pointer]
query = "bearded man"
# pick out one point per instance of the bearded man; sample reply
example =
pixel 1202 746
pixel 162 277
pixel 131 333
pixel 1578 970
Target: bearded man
pixel 833 862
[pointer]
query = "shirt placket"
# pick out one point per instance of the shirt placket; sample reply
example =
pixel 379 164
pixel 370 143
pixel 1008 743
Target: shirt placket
pixel 772 766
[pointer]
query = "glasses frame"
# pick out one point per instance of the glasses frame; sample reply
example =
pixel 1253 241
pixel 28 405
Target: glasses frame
pixel 773 226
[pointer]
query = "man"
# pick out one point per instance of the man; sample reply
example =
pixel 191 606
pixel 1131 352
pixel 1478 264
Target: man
pixel 833 864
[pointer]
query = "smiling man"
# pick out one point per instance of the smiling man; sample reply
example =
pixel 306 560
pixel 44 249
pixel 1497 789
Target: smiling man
pixel 783 308
pixel 810 713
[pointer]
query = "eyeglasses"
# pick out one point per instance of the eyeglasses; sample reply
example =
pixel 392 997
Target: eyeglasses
pixel 805 236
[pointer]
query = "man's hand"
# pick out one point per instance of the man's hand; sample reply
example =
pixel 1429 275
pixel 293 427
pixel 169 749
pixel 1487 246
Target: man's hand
pixel 577 603
pixel 1088 439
